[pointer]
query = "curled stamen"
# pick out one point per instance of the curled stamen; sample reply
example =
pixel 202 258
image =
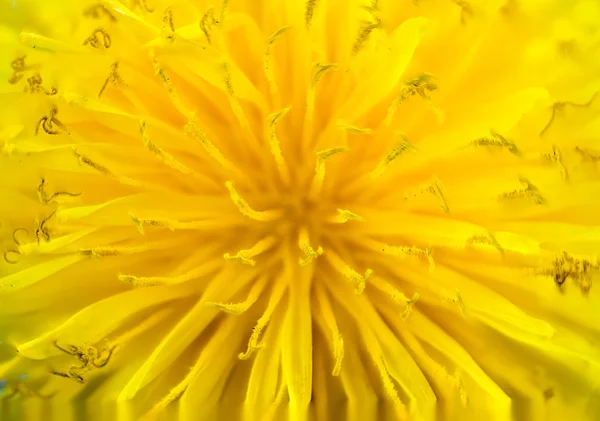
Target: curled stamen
pixel 14 260
pixel 71 349
pixel 50 124
pixel 35 86
pixel 561 106
pixel 45 198
pixel 94 39
pixel 18 66
pixel 14 235
pixel 42 231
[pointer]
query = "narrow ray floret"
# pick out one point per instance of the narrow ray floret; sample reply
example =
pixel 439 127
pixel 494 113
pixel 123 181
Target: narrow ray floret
pixel 301 210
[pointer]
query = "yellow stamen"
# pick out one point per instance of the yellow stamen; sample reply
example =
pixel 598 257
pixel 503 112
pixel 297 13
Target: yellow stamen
pixel 160 153
pixel 403 251
pixel 140 223
pixel 396 296
pixel 577 269
pixel 436 189
pixel 344 216
pixel 170 224
pixel 239 308
pixel 555 157
pixel 561 105
pixel 322 157
pixel 246 210
pixel 530 192
pixel 253 343
pixel 456 299
pixel 353 129
pixel 489 239
pixel 224 7
pixel 496 141
pixel 309 252
pixel 46 199
pixel 310 10
pixel 364 34
pixel 84 160
pixel 95 41
pixel 310 99
pixel 397 150
pixel 143 281
pixel 422 86
pixel 113 78
pixel 343 268
pixel 168 28
pixel 166 80
pixel 268 64
pixel 274 143
pixel 206 23
pixel 109 251
pixel 192 129
pixel 246 256
pixel 233 100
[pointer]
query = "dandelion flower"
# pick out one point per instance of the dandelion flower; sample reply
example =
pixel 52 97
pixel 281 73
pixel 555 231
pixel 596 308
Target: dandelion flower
pixel 300 210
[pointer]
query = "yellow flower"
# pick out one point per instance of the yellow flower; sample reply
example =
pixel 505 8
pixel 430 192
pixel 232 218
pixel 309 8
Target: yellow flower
pixel 307 210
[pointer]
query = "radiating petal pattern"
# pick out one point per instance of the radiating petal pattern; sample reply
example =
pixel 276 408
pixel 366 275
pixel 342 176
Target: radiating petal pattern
pixel 300 210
